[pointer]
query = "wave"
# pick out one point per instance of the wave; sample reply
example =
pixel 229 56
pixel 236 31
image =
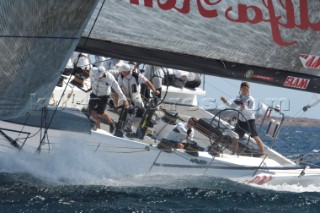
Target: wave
pixel 83 167
pixel 150 193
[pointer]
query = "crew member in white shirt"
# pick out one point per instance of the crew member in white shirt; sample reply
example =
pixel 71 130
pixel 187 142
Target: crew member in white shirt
pixel 182 132
pixel 130 81
pixel 101 83
pixel 246 120
pixel 81 68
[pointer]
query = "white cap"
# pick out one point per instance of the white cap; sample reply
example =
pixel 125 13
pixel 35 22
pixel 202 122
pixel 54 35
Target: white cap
pixel 84 54
pixel 83 63
pixel 102 71
pixel 124 67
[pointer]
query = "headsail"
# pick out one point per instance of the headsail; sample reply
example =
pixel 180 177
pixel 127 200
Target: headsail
pixel 273 42
pixel 37 37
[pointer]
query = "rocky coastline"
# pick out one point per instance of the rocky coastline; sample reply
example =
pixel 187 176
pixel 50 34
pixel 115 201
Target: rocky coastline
pixel 292 121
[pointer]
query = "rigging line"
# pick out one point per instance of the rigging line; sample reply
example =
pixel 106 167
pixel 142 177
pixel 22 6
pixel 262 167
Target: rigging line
pixel 155 160
pixel 92 63
pixel 317 100
pixel 54 112
pixel 305 162
pixel 298 113
pixel 166 78
pixel 94 23
pixel 44 117
pixel 228 82
pixel 119 147
pixel 30 136
pixel 21 131
pixel 40 37
pixel 223 92
pixel 123 152
pixel 79 57
pixel 182 155
pixel 209 164
pixel 153 76
pixel 312 103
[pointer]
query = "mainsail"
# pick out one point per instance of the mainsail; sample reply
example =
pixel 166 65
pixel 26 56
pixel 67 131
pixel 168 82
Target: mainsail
pixel 37 37
pixel 273 42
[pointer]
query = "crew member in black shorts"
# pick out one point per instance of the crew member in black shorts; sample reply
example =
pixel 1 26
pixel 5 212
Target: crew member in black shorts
pixel 246 121
pixel 101 81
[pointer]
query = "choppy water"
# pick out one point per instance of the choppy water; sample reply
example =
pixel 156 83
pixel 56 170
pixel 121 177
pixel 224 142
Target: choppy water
pixel 29 191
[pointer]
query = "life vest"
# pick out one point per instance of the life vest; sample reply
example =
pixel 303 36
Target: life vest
pixel 134 74
pixel 134 85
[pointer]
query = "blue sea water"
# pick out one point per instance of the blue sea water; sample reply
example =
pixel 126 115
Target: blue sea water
pixel 22 191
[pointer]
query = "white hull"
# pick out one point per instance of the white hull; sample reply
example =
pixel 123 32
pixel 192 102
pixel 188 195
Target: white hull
pixel 131 158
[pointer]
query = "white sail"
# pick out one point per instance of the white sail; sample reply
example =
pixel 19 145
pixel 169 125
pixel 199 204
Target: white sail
pixel 37 38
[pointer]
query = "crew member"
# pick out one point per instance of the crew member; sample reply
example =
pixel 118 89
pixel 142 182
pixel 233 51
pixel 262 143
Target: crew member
pixel 101 81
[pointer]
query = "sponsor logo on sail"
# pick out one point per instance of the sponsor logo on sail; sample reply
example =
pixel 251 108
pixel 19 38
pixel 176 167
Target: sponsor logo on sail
pixel 310 61
pixel 250 74
pixel 295 82
pixel 267 78
pixel 267 11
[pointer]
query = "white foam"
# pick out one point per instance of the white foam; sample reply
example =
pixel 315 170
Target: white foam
pixel 289 188
pixel 75 164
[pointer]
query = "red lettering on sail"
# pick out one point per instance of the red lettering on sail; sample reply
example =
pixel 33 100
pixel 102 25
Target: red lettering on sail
pixel 290 14
pixel 147 3
pixel 171 4
pixel 185 9
pixel 275 23
pixel 303 83
pixel 303 56
pixel 205 12
pixel 288 81
pixel 274 20
pixel 310 61
pixel 304 17
pixel 243 14
pixel 267 78
pixel 290 18
pixel 314 62
pixel 295 82
pixel 305 22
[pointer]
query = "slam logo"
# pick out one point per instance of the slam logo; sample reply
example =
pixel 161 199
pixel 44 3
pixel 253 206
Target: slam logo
pixel 295 82
pixel 310 61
